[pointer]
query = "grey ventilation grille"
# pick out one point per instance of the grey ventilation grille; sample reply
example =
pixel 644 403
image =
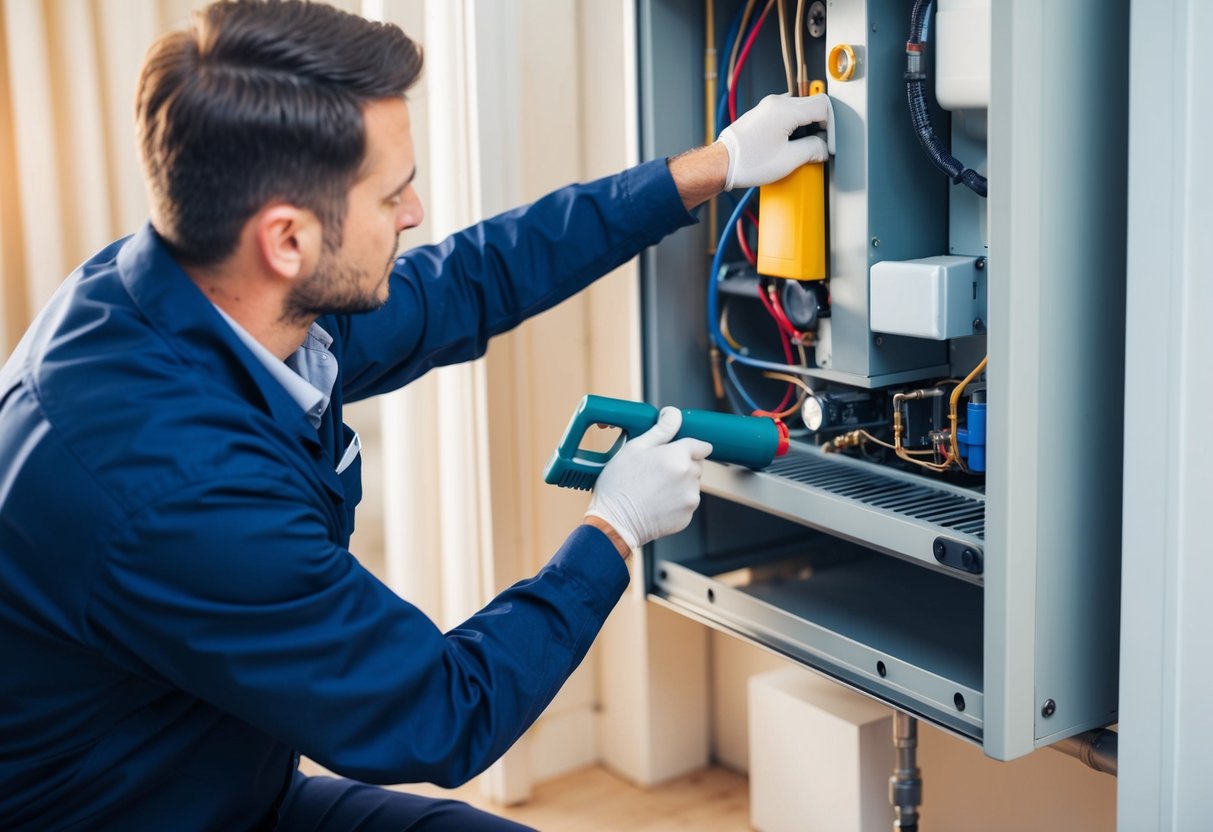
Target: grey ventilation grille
pixel 940 507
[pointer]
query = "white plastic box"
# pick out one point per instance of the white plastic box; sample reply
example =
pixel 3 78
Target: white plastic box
pixel 936 297
pixel 962 62
pixel 820 756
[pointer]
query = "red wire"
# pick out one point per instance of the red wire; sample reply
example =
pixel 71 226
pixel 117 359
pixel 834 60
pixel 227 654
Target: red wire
pixel 766 302
pixel 783 341
pixel 783 318
pixel 744 241
pixel 745 245
pixel 741 58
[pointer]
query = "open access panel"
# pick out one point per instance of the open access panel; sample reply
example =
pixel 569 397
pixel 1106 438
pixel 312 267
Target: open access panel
pixel 944 533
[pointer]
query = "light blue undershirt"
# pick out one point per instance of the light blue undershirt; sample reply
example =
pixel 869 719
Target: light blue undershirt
pixel 308 375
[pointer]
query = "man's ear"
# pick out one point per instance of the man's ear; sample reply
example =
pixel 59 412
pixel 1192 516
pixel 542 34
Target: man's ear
pixel 288 238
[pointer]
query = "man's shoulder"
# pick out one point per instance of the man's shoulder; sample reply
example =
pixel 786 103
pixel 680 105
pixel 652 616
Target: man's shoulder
pixel 136 412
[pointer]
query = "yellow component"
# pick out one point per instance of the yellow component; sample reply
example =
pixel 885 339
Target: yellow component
pixel 842 62
pixel 817 87
pixel 792 225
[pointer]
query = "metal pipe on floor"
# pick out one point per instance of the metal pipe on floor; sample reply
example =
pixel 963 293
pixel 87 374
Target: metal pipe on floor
pixel 905 786
pixel 1096 748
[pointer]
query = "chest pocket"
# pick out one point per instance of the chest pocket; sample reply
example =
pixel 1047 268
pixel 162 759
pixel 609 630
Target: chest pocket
pixel 351 477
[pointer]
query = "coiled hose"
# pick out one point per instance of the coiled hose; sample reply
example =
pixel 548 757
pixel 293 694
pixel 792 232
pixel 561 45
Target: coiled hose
pixel 916 77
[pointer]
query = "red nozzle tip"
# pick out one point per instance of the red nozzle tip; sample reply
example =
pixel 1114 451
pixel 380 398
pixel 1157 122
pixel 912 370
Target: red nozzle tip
pixel 784 443
pixel 781 447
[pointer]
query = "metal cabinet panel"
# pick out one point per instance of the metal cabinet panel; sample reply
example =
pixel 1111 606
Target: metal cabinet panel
pixel 976 652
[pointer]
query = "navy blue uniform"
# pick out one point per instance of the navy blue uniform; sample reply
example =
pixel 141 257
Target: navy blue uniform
pixel 179 613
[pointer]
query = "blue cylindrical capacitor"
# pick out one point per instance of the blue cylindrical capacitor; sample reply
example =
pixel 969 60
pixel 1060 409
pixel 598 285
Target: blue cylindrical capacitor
pixel 976 439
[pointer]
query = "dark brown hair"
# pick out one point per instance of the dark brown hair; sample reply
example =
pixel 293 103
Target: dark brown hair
pixel 260 100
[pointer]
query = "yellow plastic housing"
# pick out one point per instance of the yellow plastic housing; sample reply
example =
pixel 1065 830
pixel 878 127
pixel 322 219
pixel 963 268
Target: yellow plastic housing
pixel 792 225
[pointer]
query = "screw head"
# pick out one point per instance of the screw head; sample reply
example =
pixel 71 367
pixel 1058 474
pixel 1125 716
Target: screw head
pixel 875 242
pixel 880 340
pixel 1048 709
pixel 978 324
pixel 980 264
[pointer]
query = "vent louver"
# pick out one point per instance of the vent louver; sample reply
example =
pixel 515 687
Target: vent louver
pixel 921 501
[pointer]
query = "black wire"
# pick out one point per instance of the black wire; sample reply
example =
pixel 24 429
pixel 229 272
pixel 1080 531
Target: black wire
pixel 920 116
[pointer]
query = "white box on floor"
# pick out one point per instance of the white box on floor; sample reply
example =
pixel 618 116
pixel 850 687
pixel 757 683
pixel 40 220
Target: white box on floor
pixel 820 756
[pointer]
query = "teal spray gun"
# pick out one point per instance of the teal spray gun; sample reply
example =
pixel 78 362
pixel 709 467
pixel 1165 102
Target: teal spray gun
pixel 752 441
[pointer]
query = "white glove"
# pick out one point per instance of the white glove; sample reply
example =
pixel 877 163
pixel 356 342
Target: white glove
pixel 650 488
pixel 759 150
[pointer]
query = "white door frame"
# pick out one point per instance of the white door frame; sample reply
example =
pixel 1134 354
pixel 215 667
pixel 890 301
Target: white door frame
pixel 1166 725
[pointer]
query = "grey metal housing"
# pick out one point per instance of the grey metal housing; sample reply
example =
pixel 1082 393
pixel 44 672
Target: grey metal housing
pixel 830 561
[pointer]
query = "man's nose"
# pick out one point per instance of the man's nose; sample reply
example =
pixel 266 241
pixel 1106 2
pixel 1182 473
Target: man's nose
pixel 411 212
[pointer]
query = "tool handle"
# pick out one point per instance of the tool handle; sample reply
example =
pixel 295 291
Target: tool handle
pixel 571 465
pixel 743 440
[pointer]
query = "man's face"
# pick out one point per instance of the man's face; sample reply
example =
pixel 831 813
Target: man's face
pixel 381 204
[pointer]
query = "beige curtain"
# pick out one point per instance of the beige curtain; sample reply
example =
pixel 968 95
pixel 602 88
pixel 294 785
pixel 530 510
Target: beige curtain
pixel 69 176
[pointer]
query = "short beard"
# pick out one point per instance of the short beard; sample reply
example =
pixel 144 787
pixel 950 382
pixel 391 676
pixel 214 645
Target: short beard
pixel 334 288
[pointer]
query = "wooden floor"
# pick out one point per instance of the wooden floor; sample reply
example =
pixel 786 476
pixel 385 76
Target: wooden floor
pixel 594 800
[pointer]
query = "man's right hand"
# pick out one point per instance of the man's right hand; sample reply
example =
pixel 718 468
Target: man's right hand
pixel 650 488
pixel 758 142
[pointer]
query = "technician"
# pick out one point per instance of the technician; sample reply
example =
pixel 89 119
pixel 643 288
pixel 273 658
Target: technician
pixel 180 617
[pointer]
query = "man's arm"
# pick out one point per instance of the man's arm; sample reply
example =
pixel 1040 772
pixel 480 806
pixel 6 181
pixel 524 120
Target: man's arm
pixel 699 174
pixel 231 591
pixel 448 299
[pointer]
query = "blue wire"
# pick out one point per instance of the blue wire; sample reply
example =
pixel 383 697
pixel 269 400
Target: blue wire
pixel 723 56
pixel 722 111
pixel 714 294
pixel 728 368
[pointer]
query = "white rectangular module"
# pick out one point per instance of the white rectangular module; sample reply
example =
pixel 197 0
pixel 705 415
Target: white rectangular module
pixel 935 297
pixel 962 59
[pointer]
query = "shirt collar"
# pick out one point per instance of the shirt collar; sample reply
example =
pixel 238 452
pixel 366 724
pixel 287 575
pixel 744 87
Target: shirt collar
pixel 312 400
pixel 179 312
